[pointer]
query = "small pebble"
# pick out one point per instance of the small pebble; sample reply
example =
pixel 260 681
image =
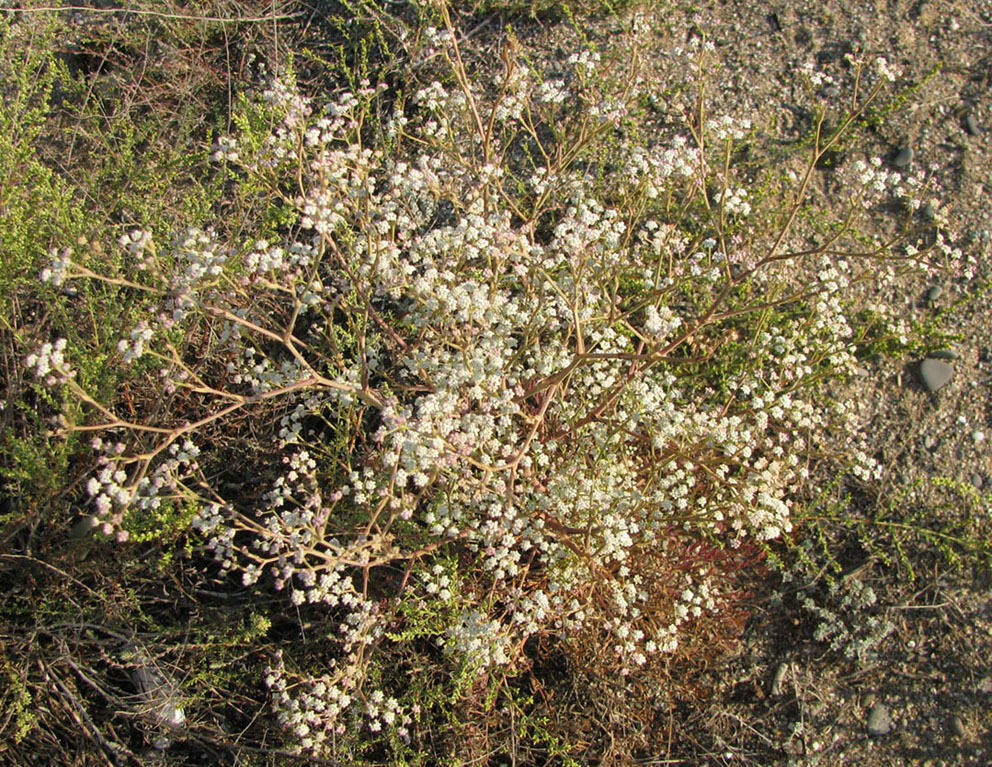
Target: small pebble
pixel 934 293
pixel 956 726
pixel 879 721
pixel 929 442
pixel 944 354
pixel 971 125
pixel 935 374
pixel 978 437
pixel 779 679
pixel 904 158
pixel 977 481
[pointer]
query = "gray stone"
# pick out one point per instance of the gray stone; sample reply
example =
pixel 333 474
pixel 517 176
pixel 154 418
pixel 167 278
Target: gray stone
pixel 956 726
pixel 934 293
pixel 971 125
pixel 944 354
pixel 977 481
pixel 879 721
pixel 935 374
pixel 904 158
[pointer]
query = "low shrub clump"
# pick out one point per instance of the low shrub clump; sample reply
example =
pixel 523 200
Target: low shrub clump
pixel 516 357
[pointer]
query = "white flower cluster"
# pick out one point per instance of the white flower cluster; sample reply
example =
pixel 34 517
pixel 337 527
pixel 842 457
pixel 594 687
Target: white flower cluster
pixel 474 346
pixel 661 322
pixel 552 92
pixel 875 180
pixel 727 127
pixel 515 89
pixel 133 347
pixel 317 709
pixel 116 495
pixel 663 168
pixel 585 62
pixel 57 270
pixel 480 642
pixel 136 242
pixel 734 201
pixel 288 540
pixel 226 148
pixel 884 69
pixel 49 363
pixel 817 78
pixel 548 402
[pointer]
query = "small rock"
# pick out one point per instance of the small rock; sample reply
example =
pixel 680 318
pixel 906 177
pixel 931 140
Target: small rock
pixel 158 694
pixel 978 436
pixel 83 527
pixel 935 374
pixel 879 721
pixel 971 125
pixel 779 679
pixel 934 293
pixel 929 442
pixel 944 354
pixel 977 481
pixel 956 726
pixel 904 158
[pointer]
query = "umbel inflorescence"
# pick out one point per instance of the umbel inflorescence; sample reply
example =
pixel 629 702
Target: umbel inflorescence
pixel 520 361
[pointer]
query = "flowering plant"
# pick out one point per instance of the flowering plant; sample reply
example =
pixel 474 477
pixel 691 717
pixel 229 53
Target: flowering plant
pixel 515 366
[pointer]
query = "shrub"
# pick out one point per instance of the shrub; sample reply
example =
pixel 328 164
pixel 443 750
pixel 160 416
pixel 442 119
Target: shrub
pixel 505 369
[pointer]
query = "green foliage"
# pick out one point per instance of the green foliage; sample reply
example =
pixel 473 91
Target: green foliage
pixel 64 142
pixel 38 206
pixel 935 518
pixel 164 524
pixel 937 514
pixel 16 707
